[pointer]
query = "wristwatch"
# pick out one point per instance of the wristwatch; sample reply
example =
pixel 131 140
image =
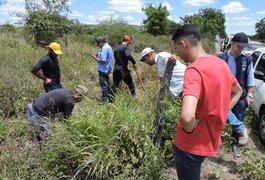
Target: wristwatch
pixel 250 95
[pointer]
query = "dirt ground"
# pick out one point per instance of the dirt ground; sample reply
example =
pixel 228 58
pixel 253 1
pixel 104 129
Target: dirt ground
pixel 225 166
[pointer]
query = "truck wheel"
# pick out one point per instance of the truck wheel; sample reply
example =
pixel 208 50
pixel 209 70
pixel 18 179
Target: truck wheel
pixel 262 127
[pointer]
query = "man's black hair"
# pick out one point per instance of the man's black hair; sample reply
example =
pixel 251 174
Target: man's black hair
pixel 188 31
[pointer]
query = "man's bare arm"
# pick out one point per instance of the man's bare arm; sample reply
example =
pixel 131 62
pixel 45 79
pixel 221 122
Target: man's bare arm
pixel 39 74
pixel 188 109
pixel 235 95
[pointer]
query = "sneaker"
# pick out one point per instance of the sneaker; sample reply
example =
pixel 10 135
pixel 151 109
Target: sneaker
pixel 243 137
pixel 236 150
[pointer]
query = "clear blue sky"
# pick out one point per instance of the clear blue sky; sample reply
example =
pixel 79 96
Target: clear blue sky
pixel 240 15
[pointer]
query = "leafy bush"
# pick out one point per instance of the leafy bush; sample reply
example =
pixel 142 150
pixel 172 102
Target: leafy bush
pixel 46 27
pixel 172 114
pixel 113 29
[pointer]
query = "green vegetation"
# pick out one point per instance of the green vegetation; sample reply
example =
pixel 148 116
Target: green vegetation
pixel 260 29
pixel 43 20
pixel 209 21
pixel 156 22
pixel 97 142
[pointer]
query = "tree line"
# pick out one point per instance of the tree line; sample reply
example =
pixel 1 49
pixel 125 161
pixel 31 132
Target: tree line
pixel 46 21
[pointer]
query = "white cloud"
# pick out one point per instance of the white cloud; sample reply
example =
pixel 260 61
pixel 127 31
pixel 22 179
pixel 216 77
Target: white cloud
pixel 12 6
pixel 132 6
pixel 76 14
pixel 128 18
pixel 70 2
pixel 95 19
pixel 240 21
pixel 169 7
pixel 261 12
pixel 8 10
pixel 174 18
pixel 197 2
pixel 234 7
pixel 108 13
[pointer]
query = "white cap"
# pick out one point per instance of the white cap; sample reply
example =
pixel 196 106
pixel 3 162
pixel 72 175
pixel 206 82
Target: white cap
pixel 145 52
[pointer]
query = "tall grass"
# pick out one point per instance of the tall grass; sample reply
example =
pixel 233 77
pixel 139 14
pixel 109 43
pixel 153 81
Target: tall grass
pixel 97 142
pixel 107 141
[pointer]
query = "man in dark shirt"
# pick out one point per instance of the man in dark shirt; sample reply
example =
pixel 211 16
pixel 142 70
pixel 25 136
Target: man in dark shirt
pixel 122 54
pixel 48 69
pixel 57 101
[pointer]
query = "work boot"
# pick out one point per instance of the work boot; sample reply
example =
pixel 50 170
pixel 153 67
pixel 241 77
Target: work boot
pixel 243 137
pixel 236 150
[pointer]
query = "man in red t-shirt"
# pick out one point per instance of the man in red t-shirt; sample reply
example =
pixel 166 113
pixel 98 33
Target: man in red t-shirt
pixel 209 92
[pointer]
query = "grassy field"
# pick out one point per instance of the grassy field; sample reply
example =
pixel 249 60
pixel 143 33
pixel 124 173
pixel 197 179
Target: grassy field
pixel 97 142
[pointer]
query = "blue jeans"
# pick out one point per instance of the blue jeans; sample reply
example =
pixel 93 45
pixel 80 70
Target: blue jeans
pixel 51 87
pixel 38 121
pixel 104 84
pixel 240 109
pixel 237 126
pixel 188 165
pixel 237 115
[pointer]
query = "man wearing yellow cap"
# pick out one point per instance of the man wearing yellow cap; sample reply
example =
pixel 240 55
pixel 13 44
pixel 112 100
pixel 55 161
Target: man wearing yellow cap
pixel 48 69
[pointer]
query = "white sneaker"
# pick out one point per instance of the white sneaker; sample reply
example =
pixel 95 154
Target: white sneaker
pixel 243 137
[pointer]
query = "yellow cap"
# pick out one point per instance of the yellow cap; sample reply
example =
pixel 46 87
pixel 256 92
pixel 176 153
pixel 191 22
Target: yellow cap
pixel 55 47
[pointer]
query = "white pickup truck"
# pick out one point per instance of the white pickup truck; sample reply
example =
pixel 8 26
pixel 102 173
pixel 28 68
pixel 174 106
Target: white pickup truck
pixel 259 89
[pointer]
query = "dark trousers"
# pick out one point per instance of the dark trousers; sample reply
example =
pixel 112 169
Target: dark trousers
pixel 126 77
pixel 188 165
pixel 104 84
pixel 51 87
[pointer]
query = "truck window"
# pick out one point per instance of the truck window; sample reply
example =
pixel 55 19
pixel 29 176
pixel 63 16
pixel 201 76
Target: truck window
pixel 261 64
pixel 255 56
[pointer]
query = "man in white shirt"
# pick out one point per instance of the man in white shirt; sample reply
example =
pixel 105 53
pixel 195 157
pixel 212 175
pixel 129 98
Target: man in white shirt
pixel 150 57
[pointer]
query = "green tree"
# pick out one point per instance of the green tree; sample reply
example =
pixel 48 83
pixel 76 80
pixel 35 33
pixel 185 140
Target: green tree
pixel 156 22
pixel 260 28
pixel 113 28
pixel 45 20
pixel 172 26
pixel 209 21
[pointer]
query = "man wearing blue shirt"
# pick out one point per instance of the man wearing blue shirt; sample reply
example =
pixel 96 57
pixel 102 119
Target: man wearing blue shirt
pixel 104 59
pixel 241 67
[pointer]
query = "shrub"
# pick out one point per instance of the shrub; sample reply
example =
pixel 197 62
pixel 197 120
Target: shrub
pixel 172 114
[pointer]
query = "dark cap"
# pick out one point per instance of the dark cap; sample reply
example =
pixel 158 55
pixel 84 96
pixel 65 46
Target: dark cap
pixel 101 38
pixel 241 39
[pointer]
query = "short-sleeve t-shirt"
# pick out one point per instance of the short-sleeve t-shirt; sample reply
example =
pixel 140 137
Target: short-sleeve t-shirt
pixel 50 68
pixel 58 100
pixel 105 54
pixel 210 81
pixel 176 82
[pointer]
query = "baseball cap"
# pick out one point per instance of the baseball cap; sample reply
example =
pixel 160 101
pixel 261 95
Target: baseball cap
pixel 145 52
pixel 241 39
pixel 81 90
pixel 55 47
pixel 126 38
